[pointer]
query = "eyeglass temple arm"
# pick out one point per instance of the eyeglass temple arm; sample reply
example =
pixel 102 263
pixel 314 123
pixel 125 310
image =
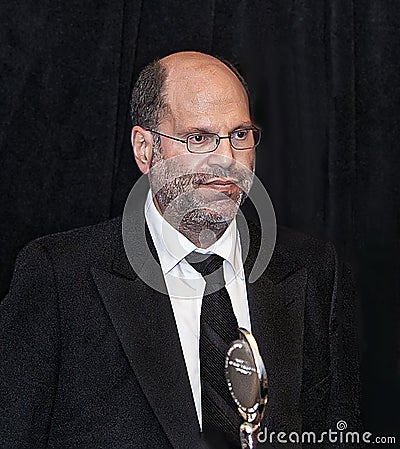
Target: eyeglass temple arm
pixel 168 137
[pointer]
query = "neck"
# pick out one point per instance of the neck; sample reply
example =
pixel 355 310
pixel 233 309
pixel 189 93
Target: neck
pixel 203 235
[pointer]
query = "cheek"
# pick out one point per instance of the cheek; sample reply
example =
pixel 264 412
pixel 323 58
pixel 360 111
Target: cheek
pixel 246 158
pixel 172 149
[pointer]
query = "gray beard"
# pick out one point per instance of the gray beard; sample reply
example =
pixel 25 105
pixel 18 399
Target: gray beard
pixel 189 208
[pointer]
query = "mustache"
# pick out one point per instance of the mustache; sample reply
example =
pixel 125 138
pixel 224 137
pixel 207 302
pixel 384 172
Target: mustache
pixel 166 172
pixel 202 178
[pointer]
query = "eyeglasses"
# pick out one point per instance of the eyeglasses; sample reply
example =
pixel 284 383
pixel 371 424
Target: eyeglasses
pixel 240 139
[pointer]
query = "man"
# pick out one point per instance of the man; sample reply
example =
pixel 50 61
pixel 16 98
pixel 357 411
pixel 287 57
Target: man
pixel 92 356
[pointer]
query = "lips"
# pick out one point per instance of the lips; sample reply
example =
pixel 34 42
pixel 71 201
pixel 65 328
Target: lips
pixel 220 182
pixel 222 185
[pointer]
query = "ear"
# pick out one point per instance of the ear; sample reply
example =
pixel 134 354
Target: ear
pixel 142 145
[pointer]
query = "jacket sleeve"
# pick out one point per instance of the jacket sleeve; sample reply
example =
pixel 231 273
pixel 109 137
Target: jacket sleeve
pixel 29 347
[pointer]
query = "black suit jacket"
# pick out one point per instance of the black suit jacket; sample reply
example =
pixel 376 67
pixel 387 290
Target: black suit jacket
pixel 91 358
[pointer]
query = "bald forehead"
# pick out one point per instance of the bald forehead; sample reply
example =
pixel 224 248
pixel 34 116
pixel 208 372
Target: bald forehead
pixel 188 62
pixel 202 89
pixel 184 68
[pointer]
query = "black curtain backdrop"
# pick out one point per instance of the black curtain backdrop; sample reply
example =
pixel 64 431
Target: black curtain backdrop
pixel 325 78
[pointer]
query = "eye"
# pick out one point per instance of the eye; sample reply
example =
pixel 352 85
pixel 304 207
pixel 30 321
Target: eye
pixel 240 134
pixel 199 139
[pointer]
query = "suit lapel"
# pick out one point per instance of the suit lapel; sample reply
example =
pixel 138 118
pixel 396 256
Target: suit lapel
pixel 276 303
pixel 276 313
pixel 144 321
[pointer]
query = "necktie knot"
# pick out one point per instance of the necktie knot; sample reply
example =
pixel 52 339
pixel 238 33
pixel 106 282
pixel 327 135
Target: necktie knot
pixel 205 264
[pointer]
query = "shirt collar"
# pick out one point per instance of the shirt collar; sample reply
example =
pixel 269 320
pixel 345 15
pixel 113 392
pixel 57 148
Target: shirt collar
pixel 172 246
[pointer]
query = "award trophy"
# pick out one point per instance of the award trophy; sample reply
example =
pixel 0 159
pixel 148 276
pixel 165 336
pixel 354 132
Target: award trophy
pixel 247 381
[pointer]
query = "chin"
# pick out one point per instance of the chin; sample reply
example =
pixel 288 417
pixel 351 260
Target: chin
pixel 220 217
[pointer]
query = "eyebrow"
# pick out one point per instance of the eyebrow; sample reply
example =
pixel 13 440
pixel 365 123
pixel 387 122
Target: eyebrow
pixel 192 129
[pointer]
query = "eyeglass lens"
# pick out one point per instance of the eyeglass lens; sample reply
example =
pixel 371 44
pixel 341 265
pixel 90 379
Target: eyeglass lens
pixel 205 142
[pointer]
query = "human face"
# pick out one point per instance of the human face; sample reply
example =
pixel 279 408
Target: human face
pixel 202 190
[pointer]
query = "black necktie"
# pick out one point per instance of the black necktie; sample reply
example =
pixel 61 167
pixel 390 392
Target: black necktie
pixel 218 328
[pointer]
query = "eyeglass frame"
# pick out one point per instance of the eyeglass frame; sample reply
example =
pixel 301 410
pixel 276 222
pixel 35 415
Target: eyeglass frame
pixel 186 141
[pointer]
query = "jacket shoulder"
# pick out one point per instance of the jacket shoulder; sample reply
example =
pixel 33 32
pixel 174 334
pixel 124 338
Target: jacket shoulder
pixel 81 246
pixel 304 248
pixel 294 249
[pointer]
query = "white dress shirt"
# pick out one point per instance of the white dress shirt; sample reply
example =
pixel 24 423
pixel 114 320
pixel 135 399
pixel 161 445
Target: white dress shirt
pixel 186 286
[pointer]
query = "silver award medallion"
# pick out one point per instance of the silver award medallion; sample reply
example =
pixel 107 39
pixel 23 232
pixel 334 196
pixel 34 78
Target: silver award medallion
pixel 247 381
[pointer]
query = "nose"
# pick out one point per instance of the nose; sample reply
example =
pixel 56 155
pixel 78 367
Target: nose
pixel 223 155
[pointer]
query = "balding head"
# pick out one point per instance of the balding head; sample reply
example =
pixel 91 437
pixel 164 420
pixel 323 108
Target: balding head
pixel 149 101
pixel 183 66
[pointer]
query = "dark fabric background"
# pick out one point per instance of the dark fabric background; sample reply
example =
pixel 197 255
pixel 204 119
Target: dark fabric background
pixel 325 79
